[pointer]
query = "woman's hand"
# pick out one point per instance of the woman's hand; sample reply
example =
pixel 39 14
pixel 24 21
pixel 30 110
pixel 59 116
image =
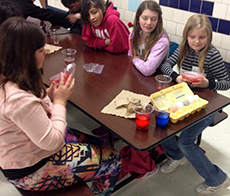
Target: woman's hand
pixel 62 91
pixel 202 83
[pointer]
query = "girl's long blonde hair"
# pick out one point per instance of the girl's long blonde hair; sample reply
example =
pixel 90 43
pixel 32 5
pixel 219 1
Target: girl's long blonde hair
pixel 194 22
pixel 155 34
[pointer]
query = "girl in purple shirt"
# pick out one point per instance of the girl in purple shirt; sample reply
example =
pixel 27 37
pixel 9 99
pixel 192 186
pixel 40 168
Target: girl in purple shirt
pixel 149 43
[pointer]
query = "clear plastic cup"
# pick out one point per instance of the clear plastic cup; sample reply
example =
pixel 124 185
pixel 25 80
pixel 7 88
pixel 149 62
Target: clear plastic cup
pixel 143 113
pixel 163 81
pixel 69 54
pixel 54 36
pixel 162 118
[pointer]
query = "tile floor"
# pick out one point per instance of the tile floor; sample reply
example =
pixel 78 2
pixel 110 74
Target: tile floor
pixel 182 182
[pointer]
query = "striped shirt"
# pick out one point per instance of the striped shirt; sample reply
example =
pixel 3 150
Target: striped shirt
pixel 214 68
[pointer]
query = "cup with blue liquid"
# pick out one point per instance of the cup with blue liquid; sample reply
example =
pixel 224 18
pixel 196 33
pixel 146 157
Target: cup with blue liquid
pixel 162 118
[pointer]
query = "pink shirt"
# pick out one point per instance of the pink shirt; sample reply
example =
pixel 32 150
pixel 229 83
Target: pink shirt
pixel 30 128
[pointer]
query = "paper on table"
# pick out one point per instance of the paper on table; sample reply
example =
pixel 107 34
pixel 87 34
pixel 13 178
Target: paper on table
pixel 51 48
pixel 112 108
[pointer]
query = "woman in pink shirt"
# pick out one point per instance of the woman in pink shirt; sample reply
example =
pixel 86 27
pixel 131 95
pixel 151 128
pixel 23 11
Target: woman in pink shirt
pixel 37 151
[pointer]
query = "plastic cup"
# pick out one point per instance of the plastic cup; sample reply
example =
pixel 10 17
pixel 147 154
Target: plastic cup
pixel 163 81
pixel 69 54
pixel 143 114
pixel 162 118
pixel 53 36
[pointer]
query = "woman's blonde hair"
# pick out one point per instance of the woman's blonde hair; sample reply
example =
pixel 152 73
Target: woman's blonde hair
pixel 155 34
pixel 194 22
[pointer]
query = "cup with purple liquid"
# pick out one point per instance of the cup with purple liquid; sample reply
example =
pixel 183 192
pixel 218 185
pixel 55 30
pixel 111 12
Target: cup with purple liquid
pixel 69 55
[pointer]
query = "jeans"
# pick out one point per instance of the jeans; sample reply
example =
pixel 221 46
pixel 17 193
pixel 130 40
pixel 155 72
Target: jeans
pixel 184 145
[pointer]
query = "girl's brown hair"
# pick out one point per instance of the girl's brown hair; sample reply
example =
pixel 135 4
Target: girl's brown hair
pixel 194 22
pixel 18 42
pixel 87 4
pixel 155 34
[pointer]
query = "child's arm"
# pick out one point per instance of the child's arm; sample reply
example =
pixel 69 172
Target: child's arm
pixel 73 17
pixel 91 40
pixel 119 34
pixel 220 79
pixel 167 66
pixel 156 57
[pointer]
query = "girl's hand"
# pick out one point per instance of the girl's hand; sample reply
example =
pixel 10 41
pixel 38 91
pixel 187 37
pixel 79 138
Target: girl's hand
pixel 107 42
pixel 62 92
pixel 73 17
pixel 202 83
pixel 50 90
pixel 180 79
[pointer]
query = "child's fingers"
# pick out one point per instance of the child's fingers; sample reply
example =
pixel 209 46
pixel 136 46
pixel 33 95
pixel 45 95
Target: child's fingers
pixel 69 79
pixel 61 83
pixel 72 83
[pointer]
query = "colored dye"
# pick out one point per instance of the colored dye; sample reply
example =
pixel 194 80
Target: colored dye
pixel 142 121
pixel 162 120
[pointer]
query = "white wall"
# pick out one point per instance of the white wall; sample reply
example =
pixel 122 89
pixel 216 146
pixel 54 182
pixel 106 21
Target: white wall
pixel 175 19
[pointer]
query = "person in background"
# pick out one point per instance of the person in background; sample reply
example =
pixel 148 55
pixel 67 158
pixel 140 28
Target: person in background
pixel 149 45
pixel 56 18
pixel 74 16
pixel 8 9
pixel 102 27
pixel 196 53
pixel 37 151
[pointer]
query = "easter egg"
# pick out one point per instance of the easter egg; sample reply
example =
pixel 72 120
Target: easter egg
pixel 190 99
pixel 185 102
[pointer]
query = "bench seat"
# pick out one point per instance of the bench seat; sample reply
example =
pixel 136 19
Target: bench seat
pixel 79 189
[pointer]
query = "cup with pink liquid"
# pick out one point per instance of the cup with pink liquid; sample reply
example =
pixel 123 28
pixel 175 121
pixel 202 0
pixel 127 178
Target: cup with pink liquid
pixel 69 54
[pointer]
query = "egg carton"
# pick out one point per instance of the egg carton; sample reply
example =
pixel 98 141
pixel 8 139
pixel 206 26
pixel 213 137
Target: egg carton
pixel 179 101
pixel 186 111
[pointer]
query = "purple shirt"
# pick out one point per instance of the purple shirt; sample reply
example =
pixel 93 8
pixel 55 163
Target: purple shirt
pixel 157 56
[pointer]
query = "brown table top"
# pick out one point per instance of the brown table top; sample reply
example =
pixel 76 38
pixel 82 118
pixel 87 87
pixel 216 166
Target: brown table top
pixel 93 92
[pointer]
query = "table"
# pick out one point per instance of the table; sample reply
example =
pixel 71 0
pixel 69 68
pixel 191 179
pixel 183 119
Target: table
pixel 93 92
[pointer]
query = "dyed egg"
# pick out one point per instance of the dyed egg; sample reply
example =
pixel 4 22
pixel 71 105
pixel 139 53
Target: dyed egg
pixel 196 97
pixel 179 104
pixel 185 102
pixel 173 109
pixel 190 99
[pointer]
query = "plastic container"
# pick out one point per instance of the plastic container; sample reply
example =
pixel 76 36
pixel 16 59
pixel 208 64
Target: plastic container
pixel 143 113
pixel 179 101
pixel 163 81
pixel 192 76
pixel 70 69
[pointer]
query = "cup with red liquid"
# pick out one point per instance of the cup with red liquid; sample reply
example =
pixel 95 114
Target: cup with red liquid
pixel 143 113
pixel 69 54
pixel 163 81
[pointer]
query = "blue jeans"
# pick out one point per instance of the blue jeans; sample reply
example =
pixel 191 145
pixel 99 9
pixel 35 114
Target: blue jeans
pixel 184 145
